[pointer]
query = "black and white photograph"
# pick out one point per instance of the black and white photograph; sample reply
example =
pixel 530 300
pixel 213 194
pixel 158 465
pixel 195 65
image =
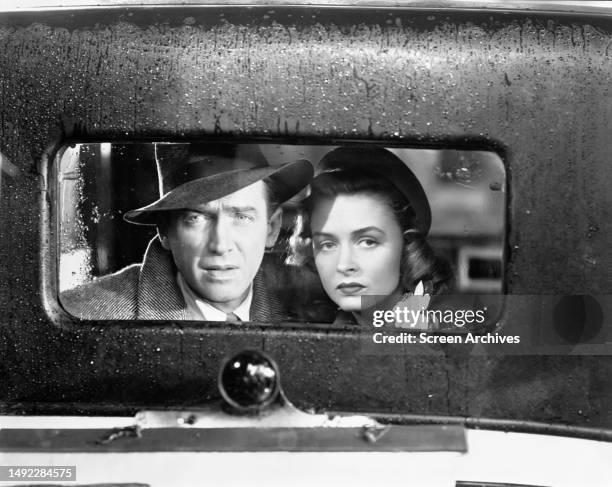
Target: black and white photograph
pixel 306 243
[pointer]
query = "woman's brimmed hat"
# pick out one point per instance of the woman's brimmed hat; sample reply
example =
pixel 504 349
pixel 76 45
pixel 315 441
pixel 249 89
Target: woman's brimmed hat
pixel 374 159
pixel 197 173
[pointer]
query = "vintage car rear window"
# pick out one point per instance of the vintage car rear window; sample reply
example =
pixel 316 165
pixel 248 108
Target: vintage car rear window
pixel 157 231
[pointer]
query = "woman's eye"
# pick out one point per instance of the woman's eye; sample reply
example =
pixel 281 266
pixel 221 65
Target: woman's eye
pixel 368 242
pixel 326 245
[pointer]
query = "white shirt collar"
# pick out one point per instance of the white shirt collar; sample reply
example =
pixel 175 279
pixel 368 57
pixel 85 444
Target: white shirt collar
pixel 200 310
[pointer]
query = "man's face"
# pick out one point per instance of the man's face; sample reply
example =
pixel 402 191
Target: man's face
pixel 218 246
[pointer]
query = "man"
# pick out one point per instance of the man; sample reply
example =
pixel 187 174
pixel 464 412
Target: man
pixel 219 208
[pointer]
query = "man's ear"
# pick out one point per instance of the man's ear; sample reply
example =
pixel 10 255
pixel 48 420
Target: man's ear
pixel 274 226
pixel 163 238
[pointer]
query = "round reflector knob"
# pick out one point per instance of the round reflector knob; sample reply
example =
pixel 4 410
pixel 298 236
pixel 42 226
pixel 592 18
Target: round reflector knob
pixel 249 381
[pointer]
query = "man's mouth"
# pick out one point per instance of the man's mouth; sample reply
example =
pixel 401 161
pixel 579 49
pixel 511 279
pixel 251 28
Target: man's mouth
pixel 350 288
pixel 227 267
pixel 219 271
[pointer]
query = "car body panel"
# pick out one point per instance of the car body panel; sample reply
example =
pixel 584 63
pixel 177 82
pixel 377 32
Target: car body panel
pixel 497 457
pixel 534 87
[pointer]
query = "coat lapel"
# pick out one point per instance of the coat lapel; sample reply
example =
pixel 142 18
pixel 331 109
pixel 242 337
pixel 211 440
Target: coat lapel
pixel 159 297
pixel 266 306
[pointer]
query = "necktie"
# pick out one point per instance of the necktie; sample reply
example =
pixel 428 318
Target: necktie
pixel 232 317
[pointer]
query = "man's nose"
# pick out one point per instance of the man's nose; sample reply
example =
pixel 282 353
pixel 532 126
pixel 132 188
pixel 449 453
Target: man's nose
pixel 219 238
pixel 346 260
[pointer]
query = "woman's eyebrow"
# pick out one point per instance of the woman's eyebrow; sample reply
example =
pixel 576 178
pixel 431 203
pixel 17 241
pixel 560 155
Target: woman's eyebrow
pixel 323 234
pixel 361 231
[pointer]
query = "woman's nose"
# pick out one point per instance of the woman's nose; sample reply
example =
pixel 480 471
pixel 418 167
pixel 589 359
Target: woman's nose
pixel 346 260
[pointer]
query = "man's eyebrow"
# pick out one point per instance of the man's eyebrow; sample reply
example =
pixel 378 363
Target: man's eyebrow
pixel 203 211
pixel 230 209
pixel 240 209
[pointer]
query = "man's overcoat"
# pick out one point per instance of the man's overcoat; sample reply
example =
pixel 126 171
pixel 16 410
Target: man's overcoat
pixel 149 291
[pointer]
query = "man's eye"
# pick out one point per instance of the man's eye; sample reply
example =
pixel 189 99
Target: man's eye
pixel 243 217
pixel 368 242
pixel 194 218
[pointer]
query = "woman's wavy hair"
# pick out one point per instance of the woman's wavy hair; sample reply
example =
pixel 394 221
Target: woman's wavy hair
pixel 419 263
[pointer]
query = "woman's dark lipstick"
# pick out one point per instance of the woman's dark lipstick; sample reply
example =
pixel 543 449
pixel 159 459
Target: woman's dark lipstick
pixel 350 288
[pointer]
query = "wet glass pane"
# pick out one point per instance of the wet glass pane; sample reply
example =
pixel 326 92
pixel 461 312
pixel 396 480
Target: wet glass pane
pixel 212 246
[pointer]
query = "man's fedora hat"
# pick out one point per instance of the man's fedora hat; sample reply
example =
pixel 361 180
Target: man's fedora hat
pixel 193 174
pixel 374 159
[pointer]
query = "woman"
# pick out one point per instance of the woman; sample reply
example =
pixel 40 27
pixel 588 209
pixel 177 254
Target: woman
pixel 364 226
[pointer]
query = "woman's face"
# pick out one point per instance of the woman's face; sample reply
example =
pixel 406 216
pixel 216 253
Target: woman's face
pixel 357 244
